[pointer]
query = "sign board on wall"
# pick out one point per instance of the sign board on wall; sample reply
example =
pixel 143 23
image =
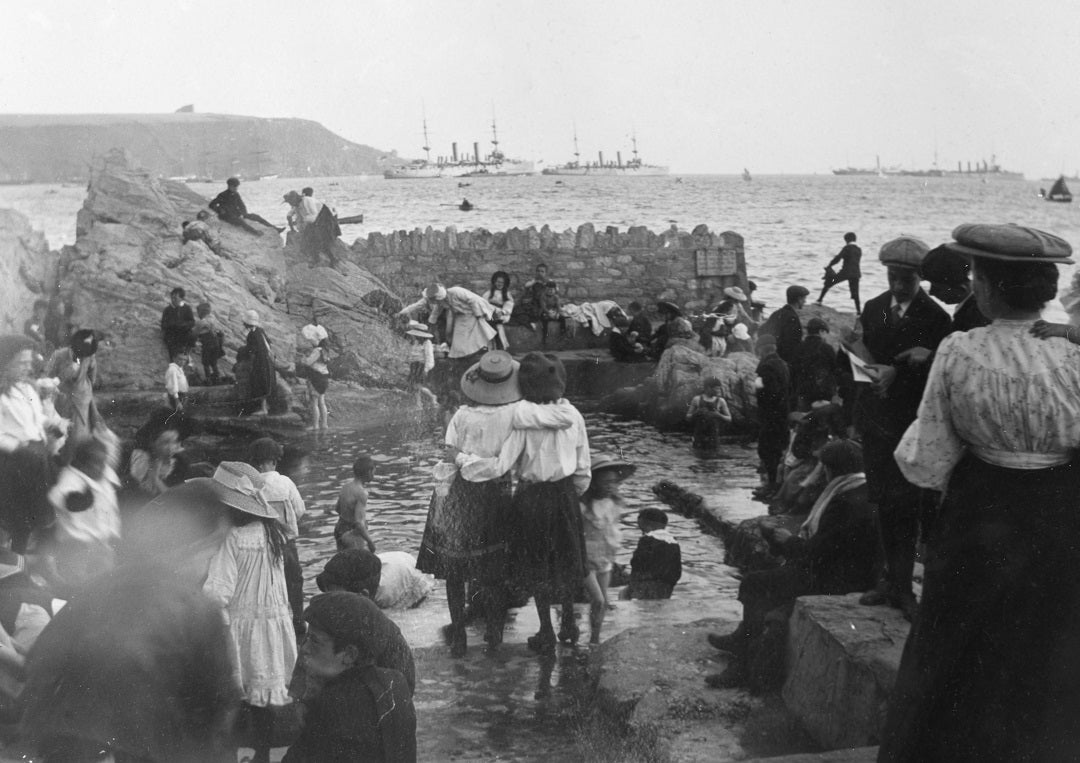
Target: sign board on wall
pixel 715 262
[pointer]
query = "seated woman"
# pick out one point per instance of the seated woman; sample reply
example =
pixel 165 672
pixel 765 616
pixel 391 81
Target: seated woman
pixel 835 552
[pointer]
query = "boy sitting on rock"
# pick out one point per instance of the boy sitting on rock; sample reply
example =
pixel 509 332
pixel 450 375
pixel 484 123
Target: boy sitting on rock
pixel 358 711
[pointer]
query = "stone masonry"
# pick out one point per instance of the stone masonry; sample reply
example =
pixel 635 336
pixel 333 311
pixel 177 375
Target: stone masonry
pixel 589 265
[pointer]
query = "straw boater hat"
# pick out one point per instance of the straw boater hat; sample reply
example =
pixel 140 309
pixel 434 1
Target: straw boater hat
pixel 239 486
pixel 492 381
pixel 601 461
pixel 251 318
pixel 1011 243
pixel 542 377
pixel 903 252
pixel 735 293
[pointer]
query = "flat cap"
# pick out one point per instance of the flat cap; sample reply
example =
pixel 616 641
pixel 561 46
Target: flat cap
pixel 944 265
pixel 903 252
pixel 1010 242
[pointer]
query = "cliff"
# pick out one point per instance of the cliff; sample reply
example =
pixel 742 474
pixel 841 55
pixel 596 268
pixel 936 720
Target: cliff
pixel 26 265
pixel 63 147
pixel 129 254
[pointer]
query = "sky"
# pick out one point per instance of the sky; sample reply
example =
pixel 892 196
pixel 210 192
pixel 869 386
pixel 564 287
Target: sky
pixel 706 86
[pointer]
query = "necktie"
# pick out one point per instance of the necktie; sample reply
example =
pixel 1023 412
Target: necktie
pixel 895 314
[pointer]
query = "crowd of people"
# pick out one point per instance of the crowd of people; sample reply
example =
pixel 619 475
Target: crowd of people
pixel 954 433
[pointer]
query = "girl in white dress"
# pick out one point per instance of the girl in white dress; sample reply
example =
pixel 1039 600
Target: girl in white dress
pixel 247 579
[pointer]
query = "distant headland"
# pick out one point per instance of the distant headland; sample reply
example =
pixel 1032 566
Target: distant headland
pixel 51 148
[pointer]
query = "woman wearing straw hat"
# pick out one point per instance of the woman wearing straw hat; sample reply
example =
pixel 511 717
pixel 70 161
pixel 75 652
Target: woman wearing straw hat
pixel 256 351
pixel 247 579
pixel 991 669
pixel 466 533
pixel 549 451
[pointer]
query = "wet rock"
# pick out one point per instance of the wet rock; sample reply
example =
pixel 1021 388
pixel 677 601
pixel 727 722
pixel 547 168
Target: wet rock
pixel 26 266
pixel 653 679
pixel 842 663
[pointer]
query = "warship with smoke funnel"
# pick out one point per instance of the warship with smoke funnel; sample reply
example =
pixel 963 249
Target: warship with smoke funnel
pixel 494 164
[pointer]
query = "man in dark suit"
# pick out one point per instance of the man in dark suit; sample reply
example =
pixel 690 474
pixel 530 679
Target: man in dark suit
pixel 773 385
pixel 785 325
pixel 901 329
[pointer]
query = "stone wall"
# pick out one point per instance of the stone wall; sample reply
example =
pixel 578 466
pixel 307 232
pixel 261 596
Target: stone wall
pixel 589 265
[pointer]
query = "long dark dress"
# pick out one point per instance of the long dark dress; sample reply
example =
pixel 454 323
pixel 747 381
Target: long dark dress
pixel 547 542
pixel 261 373
pixel 465 534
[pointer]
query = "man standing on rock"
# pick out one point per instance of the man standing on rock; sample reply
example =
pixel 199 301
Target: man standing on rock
pixel 901 328
pixel 231 208
pixel 849 256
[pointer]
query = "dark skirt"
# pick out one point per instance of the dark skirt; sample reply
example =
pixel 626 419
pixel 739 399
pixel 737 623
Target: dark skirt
pixel 991 670
pixel 26 475
pixel 466 532
pixel 547 540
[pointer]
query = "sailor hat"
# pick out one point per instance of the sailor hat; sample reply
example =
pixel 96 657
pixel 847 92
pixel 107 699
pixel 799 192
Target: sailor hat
pixel 1011 242
pixel 903 252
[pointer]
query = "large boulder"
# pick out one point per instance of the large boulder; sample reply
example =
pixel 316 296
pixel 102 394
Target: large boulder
pixel 26 268
pixel 129 254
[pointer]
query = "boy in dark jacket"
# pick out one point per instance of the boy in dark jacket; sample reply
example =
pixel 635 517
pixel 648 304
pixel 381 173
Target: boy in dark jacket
pixel 359 711
pixel 656 565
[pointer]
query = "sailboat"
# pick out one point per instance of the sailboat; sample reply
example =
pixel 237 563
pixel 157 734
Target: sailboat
pixel 746 174
pixel 1059 191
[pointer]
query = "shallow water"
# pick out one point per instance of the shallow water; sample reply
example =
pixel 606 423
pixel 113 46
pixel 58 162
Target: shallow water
pixel 400 493
pixel 511 705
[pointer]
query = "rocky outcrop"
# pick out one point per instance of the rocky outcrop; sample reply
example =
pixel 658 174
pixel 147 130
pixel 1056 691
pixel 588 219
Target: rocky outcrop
pixel 129 254
pixel 26 268
pixel 842 660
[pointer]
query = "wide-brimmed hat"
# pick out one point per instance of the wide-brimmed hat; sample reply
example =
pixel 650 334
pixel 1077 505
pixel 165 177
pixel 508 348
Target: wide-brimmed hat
pixel 944 265
pixel 740 331
pixel 903 252
pixel 350 569
pixel 239 486
pixel 292 197
pixel 251 318
pixel 735 293
pixel 542 377
pixel 1011 242
pixel 435 292
pixel 493 380
pixel 418 326
pixel 668 307
pixel 601 461
pixel 420 334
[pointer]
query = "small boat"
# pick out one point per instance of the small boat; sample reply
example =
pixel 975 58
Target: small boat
pixel 1059 191
pixel 746 174
pixel 351 220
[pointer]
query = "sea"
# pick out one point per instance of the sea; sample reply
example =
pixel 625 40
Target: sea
pixel 791 224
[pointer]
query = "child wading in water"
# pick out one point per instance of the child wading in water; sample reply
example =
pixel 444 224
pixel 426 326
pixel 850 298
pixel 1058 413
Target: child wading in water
pixel 708 413
pixel 318 379
pixel 601 508
pixel 351 505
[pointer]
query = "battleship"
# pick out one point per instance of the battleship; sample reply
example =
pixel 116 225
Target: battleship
pixel 494 164
pixel 635 167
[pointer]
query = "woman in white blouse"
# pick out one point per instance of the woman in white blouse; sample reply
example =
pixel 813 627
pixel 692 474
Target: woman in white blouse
pixel 26 469
pixel 991 670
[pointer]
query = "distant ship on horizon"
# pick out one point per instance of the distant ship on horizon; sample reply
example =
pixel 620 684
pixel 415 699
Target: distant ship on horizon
pixel 635 167
pixel 495 164
pixel 981 169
